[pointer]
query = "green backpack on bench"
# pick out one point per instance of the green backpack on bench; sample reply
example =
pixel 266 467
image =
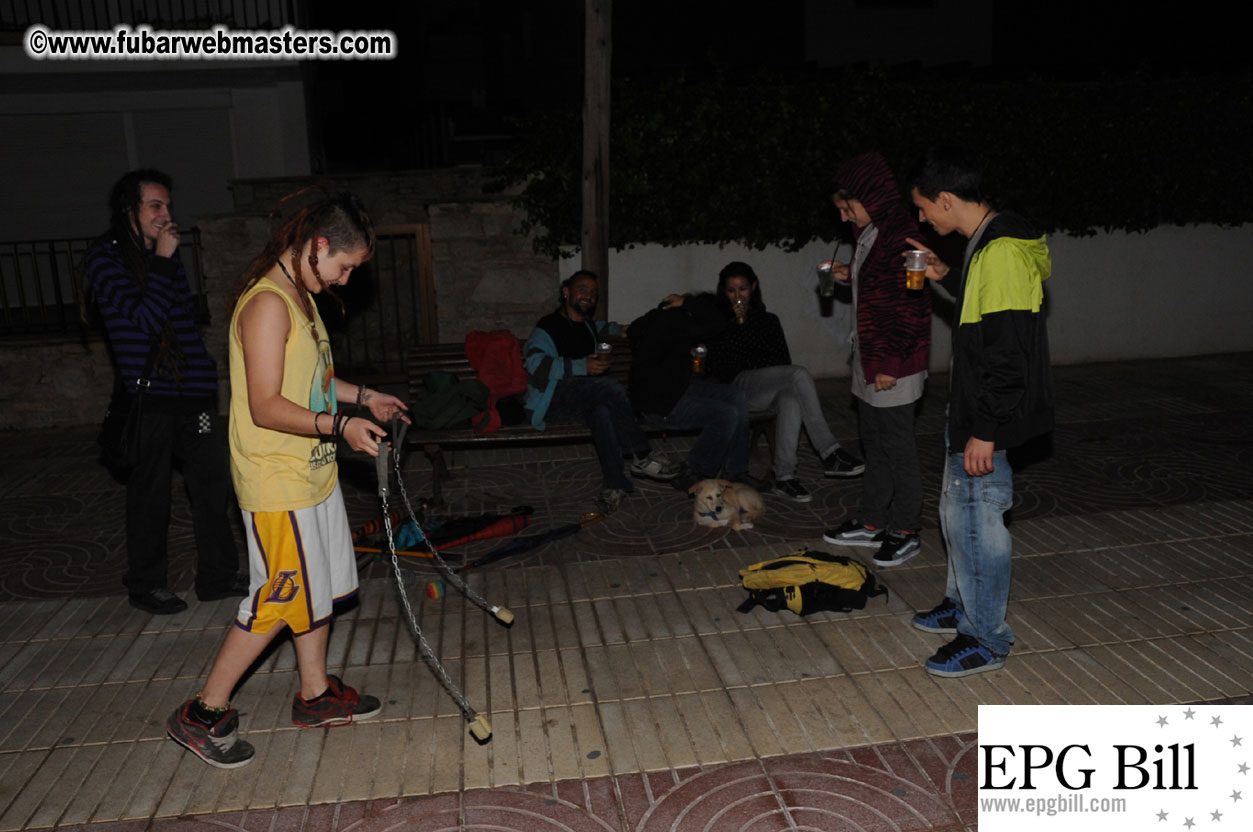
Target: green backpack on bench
pixel 806 582
pixel 447 401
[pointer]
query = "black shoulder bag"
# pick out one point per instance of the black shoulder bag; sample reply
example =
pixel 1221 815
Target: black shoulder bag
pixel 119 437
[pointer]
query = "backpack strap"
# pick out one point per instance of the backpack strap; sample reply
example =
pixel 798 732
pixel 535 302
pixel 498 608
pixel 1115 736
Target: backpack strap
pixel 772 599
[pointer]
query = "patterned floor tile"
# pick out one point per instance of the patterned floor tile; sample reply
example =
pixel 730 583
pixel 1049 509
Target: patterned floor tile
pixel 629 695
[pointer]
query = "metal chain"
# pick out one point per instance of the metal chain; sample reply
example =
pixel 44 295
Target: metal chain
pixel 428 655
pixel 442 565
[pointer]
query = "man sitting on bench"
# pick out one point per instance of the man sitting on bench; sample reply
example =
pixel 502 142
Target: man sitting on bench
pixel 566 384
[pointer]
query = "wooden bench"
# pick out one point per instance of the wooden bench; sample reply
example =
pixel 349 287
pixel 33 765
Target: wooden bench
pixel 451 358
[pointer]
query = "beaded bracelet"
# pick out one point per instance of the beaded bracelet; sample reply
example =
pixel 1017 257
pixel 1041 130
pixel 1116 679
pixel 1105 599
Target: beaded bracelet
pixel 223 709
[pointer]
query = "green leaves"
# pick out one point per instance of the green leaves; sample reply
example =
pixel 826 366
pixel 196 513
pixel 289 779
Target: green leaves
pixel 712 161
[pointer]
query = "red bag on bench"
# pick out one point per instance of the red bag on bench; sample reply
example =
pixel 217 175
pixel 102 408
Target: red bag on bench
pixel 497 360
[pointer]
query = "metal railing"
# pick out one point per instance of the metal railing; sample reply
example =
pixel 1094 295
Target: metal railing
pixel 389 304
pixel 19 15
pixel 42 286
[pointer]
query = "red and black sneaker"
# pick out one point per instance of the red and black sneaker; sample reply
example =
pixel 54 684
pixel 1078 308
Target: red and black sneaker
pixel 339 705
pixel 218 745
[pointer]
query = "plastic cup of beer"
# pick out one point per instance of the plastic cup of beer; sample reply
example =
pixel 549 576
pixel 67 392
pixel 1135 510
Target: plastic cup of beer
pixel 826 281
pixel 698 358
pixel 915 269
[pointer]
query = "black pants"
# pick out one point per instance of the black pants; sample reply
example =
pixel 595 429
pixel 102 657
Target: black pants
pixel 199 442
pixel 602 404
pixel 891 494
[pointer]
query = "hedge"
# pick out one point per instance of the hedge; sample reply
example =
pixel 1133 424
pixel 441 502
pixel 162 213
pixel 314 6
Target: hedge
pixel 711 161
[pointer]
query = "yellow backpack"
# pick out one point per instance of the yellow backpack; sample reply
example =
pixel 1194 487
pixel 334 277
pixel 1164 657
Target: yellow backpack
pixel 806 582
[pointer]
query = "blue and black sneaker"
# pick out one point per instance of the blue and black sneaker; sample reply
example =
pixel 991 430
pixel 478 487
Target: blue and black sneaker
pixel 943 619
pixel 963 656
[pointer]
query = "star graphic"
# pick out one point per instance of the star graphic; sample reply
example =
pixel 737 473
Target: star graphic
pixel 1189 823
pixel 1235 740
pixel 1161 816
pixel 1161 722
pixel 1216 721
pixel 1235 795
pixel 1243 768
pixel 1188 714
pixel 1216 815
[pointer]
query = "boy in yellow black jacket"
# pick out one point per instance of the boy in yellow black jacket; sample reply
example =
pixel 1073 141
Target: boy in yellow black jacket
pixel 1001 395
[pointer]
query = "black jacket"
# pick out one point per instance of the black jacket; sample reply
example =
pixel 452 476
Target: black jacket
pixel 661 343
pixel 1001 388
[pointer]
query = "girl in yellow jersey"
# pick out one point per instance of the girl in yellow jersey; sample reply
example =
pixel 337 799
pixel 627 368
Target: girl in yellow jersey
pixel 285 420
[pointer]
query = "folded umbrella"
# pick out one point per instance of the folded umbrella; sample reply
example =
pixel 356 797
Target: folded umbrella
pixel 526 544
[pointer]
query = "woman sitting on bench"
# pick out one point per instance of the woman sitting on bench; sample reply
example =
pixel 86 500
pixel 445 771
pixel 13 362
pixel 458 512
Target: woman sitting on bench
pixel 753 356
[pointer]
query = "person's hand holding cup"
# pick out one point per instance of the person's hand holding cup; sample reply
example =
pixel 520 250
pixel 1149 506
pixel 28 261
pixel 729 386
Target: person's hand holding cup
pixel 597 364
pixel 934 267
pixel 915 269
pixel 830 271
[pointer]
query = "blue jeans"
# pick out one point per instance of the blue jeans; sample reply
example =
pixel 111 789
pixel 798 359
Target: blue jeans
pixel 721 414
pixel 601 403
pixel 979 548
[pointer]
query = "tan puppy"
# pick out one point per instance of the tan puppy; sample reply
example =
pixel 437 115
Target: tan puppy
pixel 719 502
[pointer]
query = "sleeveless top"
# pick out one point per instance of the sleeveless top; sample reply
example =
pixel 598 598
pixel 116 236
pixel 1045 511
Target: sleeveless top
pixel 273 470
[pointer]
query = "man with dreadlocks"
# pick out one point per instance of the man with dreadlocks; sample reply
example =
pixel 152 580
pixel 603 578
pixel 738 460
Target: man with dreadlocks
pixel 285 420
pixel 141 290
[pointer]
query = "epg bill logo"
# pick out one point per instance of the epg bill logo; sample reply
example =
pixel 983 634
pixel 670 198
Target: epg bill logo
pixel 1130 766
pixel 1097 767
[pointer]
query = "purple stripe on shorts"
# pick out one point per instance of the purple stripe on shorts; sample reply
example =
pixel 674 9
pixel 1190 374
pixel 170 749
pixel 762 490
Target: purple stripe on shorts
pixel 304 567
pixel 256 598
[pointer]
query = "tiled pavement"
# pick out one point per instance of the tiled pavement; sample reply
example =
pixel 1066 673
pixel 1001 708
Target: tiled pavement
pixel 629 695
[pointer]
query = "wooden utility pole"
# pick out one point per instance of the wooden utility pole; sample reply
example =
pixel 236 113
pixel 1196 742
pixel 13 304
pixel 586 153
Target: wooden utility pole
pixel 597 50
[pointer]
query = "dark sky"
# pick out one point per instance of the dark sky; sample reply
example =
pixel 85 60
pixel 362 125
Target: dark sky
pixel 466 66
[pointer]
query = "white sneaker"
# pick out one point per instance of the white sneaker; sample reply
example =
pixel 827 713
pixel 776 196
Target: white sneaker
pixel 656 466
pixel 609 499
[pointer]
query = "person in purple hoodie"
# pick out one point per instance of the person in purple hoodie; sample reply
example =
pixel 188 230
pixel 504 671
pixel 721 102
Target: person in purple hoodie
pixel 890 342
pixel 141 290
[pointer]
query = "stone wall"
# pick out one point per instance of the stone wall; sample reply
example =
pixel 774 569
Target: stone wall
pixel 390 197
pixel 47 384
pixel 228 244
pixel 487 277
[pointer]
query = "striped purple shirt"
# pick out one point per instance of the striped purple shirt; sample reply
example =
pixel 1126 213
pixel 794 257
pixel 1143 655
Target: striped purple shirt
pixel 133 315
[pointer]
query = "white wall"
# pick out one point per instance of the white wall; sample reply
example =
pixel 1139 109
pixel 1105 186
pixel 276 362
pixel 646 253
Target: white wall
pixel 1169 292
